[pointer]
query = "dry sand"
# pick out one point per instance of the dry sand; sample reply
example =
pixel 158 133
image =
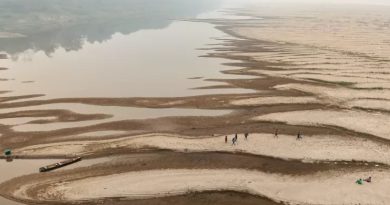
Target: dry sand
pixel 359 121
pixel 313 148
pixel 338 94
pixel 329 188
pixel 275 100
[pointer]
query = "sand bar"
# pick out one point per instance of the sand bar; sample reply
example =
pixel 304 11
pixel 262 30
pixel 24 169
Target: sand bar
pixel 313 148
pixel 322 188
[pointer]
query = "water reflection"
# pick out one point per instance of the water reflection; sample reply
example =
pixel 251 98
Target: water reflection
pixel 45 25
pixel 112 49
pixel 146 63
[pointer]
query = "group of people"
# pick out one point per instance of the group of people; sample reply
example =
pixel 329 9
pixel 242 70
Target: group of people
pixel 235 138
pixel 360 181
pixel 299 137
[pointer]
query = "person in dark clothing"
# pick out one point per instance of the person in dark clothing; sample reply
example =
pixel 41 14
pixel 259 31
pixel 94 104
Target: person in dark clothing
pixel 368 180
pixel 246 135
pixel 226 139
pixel 299 136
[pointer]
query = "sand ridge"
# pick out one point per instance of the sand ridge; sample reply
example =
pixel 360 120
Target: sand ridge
pixel 330 188
pixel 364 122
pixel 311 148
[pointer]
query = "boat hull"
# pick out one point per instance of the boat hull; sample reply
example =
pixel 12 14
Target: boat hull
pixel 59 164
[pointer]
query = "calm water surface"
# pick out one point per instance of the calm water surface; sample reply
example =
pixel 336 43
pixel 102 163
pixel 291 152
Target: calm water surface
pixel 147 62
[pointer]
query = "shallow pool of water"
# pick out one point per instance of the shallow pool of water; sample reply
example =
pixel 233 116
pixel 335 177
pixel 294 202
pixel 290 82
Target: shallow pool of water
pixel 145 63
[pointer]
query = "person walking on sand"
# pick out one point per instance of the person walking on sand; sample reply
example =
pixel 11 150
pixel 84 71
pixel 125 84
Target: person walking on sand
pixel 234 141
pixel 246 136
pixel 226 139
pixel 276 133
pixel 299 136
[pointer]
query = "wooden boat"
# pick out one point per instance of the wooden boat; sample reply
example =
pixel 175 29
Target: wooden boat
pixel 59 164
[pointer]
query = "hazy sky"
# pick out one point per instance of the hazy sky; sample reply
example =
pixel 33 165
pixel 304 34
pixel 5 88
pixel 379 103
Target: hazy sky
pixel 373 2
